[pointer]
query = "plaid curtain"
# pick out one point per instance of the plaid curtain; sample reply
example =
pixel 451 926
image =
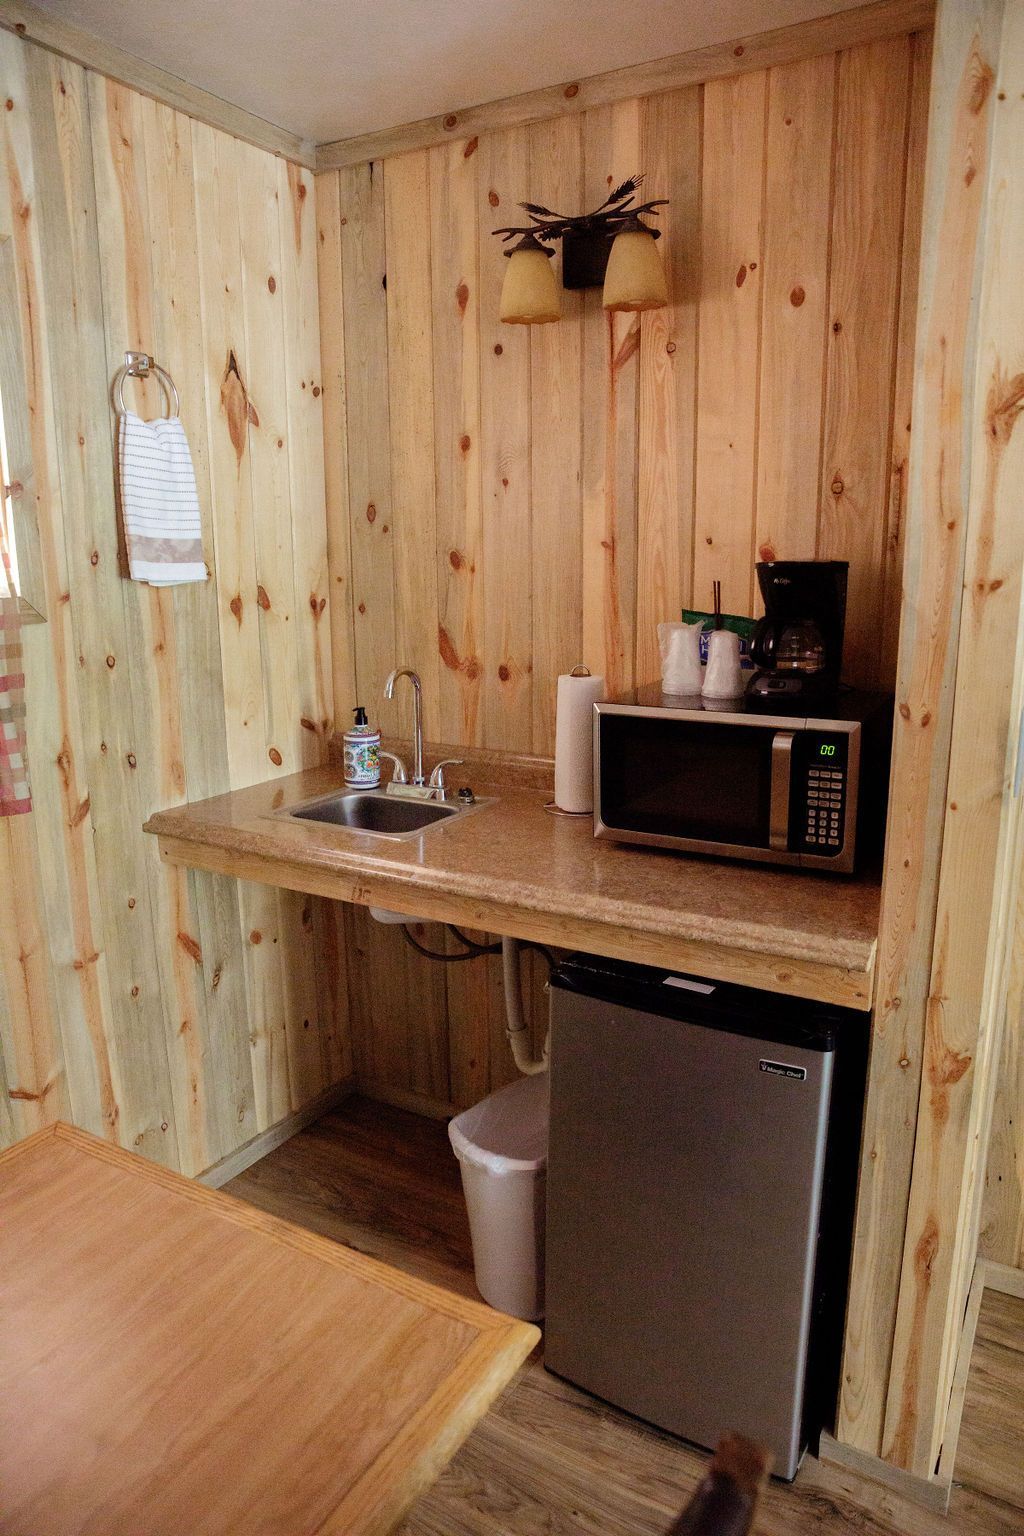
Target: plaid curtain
pixel 15 796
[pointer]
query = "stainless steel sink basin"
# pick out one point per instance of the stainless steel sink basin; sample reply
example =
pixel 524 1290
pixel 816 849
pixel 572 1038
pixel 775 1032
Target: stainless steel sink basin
pixel 384 815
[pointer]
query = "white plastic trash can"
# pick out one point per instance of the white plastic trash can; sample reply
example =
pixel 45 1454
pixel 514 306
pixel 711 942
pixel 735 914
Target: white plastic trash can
pixel 502 1148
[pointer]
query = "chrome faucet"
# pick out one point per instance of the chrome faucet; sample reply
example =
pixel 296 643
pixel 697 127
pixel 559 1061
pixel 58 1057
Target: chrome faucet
pixel 417 726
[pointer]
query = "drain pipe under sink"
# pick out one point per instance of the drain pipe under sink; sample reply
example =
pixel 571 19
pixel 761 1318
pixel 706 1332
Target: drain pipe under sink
pixel 516 1027
pixel 517 1030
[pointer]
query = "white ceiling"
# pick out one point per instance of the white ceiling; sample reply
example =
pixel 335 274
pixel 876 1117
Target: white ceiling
pixel 328 69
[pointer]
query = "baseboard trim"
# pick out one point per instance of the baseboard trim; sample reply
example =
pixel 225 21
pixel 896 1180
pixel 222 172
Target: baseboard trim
pixel 961 1371
pixel 925 1491
pixel 401 1098
pixel 933 1492
pixel 251 1151
pixel 1004 1278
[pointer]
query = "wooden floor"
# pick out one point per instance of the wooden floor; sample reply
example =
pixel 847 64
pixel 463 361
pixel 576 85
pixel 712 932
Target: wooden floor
pixel 990 1453
pixel 549 1460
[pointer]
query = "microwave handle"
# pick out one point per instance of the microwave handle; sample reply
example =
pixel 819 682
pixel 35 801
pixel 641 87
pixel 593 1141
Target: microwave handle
pixel 782 759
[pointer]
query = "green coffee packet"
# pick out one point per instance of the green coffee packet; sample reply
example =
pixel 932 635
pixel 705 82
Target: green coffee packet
pixel 734 621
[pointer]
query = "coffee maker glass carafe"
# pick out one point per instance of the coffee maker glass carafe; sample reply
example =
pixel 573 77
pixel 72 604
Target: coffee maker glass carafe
pixel 798 645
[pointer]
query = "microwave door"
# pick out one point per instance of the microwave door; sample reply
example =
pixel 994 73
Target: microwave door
pixel 689 783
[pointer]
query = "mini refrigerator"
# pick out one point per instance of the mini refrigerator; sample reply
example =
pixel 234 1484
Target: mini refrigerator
pixel 701 1177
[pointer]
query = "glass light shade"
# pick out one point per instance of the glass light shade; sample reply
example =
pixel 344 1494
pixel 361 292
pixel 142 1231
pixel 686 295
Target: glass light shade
pixel 635 278
pixel 529 294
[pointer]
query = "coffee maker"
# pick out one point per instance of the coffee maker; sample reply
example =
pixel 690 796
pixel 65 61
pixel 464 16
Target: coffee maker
pixel 798 645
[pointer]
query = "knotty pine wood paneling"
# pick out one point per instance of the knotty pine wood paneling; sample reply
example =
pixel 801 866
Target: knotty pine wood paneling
pixel 507 501
pixel 172 1011
pixel 932 491
pixel 981 875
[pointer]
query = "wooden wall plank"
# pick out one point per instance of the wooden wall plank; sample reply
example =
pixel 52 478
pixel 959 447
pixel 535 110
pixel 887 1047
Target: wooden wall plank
pixel 261 910
pixel 335 431
pixel 10 1129
pixel 867 222
pixel 502 175
pixel 611 152
pixel 730 315
pixel 120 168
pixel 177 339
pixel 269 455
pixel 332 961
pixel 232 491
pixel 19 489
pixel 903 387
pixel 61 807
pixel 116 737
pixel 671 157
pixel 227 434
pixel 455 304
pixel 469 999
pixel 361 203
pixel 33 1055
pixel 296 956
pixel 797 202
pixel 555 181
pixel 411 414
pixel 304 417
pixel 289 950
pixel 959 127
pixel 309 1055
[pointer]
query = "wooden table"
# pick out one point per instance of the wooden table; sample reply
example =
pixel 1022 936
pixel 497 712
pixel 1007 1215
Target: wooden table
pixel 174 1361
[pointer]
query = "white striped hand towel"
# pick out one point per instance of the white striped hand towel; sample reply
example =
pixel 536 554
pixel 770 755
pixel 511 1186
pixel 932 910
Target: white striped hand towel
pixel 159 503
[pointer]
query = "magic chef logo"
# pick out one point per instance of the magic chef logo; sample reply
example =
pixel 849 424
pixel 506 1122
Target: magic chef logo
pixel 783 1069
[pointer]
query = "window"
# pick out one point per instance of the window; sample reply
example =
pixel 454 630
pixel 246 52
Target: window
pixel 18 527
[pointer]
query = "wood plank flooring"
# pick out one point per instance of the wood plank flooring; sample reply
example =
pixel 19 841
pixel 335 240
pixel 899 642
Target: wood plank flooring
pixel 548 1460
pixel 990 1455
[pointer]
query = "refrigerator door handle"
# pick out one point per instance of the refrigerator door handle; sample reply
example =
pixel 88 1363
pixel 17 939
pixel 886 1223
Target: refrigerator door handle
pixel 782 760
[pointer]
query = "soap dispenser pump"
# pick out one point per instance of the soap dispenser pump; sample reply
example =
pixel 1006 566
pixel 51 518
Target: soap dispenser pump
pixel 362 752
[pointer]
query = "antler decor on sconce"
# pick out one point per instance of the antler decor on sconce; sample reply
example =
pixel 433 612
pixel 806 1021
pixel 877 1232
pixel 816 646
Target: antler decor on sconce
pixel 612 245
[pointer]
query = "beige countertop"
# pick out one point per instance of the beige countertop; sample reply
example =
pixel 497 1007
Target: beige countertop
pixel 511 867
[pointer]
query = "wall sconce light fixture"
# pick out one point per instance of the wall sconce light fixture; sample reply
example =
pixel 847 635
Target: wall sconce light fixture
pixel 612 245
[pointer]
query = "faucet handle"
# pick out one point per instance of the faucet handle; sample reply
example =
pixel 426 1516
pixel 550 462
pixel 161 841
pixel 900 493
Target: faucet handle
pixel 399 776
pixel 437 775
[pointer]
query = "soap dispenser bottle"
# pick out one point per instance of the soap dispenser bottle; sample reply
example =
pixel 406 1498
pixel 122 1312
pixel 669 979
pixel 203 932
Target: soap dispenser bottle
pixel 362 752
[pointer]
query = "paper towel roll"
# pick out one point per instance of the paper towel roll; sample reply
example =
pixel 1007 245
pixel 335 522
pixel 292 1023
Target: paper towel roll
pixel 574 741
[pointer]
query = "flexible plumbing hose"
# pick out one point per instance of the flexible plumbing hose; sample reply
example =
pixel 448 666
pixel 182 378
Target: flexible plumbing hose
pixel 516 1027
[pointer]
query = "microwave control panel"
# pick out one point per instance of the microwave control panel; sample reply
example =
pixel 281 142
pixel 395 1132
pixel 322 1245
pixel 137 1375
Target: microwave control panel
pixel 818 808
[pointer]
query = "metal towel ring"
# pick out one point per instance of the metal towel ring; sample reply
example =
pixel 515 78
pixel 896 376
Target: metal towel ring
pixel 139 365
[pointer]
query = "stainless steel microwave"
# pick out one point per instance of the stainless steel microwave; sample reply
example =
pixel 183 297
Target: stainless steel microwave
pixel 782 789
